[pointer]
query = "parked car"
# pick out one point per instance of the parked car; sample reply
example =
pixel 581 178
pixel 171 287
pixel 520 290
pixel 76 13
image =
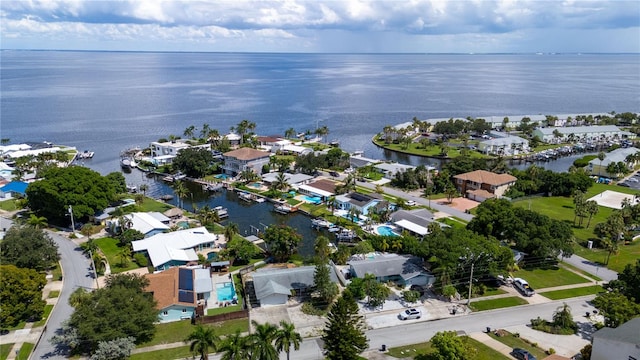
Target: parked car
pixel 523 287
pixel 522 354
pixel 334 174
pixel 410 314
pixel 410 203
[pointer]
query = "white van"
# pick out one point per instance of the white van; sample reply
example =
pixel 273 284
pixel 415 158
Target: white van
pixel 523 286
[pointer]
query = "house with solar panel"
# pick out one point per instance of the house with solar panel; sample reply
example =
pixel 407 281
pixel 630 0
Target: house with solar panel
pixel 404 270
pixel 364 203
pixel 177 248
pixel 179 291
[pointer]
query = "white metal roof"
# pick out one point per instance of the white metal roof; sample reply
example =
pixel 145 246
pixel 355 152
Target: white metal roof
pixel 315 190
pixel 405 224
pixel 145 222
pixel 177 245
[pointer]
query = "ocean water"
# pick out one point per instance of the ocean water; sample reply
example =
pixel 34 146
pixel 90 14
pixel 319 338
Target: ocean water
pixel 110 101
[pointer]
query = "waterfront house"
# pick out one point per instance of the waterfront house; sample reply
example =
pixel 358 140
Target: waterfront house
pixel 234 140
pixel 275 286
pixel 357 161
pixel 267 143
pixel 390 170
pixel 481 185
pixel 176 248
pixel 149 223
pixel 364 203
pixel 178 291
pixel 622 342
pixel 294 180
pixel 322 188
pixel 416 222
pixel 167 149
pixel 503 144
pixel 237 161
pixel 620 155
pixel 405 270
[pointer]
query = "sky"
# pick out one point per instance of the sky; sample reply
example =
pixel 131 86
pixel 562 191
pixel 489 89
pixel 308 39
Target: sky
pixel 320 26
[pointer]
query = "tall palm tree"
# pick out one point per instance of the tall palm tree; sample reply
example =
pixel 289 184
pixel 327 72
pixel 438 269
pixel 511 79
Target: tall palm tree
pixel 144 188
pixel 290 133
pixel 230 230
pixel 124 256
pixel 234 347
pixel 280 182
pixel 261 341
pixel 181 191
pixel 287 337
pixel 205 130
pixel 189 131
pixel 592 209
pixel 202 341
pixel 601 157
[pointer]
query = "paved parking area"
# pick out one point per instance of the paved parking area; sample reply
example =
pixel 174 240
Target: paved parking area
pixel 460 203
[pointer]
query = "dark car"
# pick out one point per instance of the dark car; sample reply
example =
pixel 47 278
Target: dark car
pixel 522 354
pixel 334 174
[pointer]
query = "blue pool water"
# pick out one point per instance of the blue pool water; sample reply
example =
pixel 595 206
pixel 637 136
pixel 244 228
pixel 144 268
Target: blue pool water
pixel 313 200
pixel 183 224
pixel 225 291
pixel 222 176
pixel 255 185
pixel 212 256
pixel 385 231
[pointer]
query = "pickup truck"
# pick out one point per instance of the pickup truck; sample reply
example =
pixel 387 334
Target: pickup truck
pixel 523 287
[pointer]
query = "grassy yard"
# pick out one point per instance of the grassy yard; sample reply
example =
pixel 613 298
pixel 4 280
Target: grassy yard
pixel 516 342
pixel 177 331
pixel 575 292
pixel 45 316
pixel 53 294
pixel 181 352
pixel 433 151
pixel 571 267
pixel 411 351
pixel 627 254
pixel 110 249
pixel 57 272
pixel 150 204
pixel 8 205
pixel 25 351
pixel 549 277
pixel 5 349
pixel 497 303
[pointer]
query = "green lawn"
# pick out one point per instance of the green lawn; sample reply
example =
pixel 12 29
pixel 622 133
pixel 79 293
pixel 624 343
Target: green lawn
pixel 110 249
pixel 497 303
pixel 57 272
pixel 45 316
pixel 549 277
pixel 493 291
pixel 150 204
pixel 54 294
pixel 5 349
pixel 571 267
pixel 516 342
pixel 627 254
pixel 411 351
pixel 8 205
pixel 25 351
pixel 181 352
pixel 177 331
pixel 575 292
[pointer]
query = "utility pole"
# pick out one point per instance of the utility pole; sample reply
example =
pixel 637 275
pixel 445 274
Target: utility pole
pixel 73 226
pixel 470 284
pixel 95 270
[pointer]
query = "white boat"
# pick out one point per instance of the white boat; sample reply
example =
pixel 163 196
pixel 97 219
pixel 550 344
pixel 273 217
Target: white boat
pixel 258 199
pixel 282 208
pixel 85 154
pixel 179 176
pixel 245 196
pixel 132 188
pixel 222 212
pixel 213 187
pixel 125 163
pixel 345 235
pixel 320 223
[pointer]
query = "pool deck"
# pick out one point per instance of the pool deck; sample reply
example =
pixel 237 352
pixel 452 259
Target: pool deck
pixel 215 280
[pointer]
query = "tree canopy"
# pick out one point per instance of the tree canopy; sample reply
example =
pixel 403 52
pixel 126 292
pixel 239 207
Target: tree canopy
pixel 119 310
pixel 20 295
pixel 28 247
pixel 343 335
pixel 282 241
pixel 84 189
pixel 449 346
pixel 194 162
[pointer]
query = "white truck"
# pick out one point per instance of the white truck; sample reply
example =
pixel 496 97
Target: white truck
pixel 523 286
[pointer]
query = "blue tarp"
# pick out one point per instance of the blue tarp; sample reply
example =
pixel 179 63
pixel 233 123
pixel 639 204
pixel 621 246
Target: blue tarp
pixel 19 187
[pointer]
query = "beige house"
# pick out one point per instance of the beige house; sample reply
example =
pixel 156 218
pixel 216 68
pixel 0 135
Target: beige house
pixel 481 185
pixel 237 161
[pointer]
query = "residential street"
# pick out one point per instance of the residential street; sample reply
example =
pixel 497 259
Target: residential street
pixel 76 269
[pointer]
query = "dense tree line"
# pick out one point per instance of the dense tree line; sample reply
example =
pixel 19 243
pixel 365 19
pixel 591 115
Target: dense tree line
pixel 28 247
pixel 20 295
pixel 535 180
pixel 85 190
pixel 194 162
pixel 335 158
pixel 537 235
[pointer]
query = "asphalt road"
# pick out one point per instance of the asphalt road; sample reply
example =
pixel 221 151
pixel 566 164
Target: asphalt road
pixel 418 332
pixel 76 269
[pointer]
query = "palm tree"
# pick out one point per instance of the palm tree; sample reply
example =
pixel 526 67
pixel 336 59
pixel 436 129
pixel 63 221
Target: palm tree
pixel 189 131
pixel 428 191
pixel 37 221
pixel 248 175
pixel 451 192
pixel 322 132
pixel 592 208
pixel 243 128
pixel 287 337
pixel 396 244
pixel 230 230
pixel 280 182
pixel 290 133
pixel 124 256
pixel 205 130
pixel 144 188
pixel 202 341
pixel 234 347
pixel 601 157
pixel 181 191
pixel 261 341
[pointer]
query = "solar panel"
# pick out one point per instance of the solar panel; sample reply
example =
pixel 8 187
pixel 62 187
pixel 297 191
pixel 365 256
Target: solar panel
pixel 185 279
pixel 359 197
pixel 185 296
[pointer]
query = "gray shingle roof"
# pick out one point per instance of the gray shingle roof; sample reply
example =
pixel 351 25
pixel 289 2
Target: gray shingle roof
pixel 267 282
pixel 387 265
pixel 627 332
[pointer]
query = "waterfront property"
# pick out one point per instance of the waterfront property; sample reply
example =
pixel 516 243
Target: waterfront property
pixel 621 155
pixel 405 270
pixel 481 185
pixel 504 144
pixel 177 248
pixel 294 180
pixel 167 148
pixel 148 223
pixel 178 291
pixel 416 222
pixel 582 133
pixel 363 203
pixel 237 161
pixel 390 170
pixel 322 188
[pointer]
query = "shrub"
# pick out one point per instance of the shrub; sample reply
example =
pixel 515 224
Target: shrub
pixel 140 259
pixel 551 351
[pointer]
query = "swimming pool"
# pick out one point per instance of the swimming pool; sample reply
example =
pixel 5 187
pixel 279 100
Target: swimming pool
pixel 222 176
pixel 255 185
pixel 183 224
pixel 225 291
pixel 385 231
pixel 312 199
